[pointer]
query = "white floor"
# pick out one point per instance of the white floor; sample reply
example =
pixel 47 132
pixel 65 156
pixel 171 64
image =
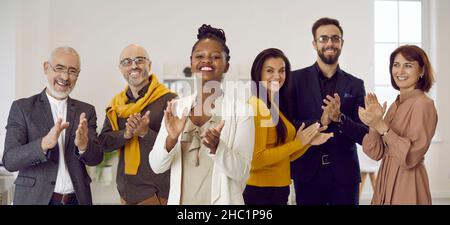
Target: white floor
pixel 106 194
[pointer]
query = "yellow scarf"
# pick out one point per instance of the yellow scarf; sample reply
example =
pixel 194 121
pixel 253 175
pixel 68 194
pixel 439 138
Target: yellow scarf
pixel 119 108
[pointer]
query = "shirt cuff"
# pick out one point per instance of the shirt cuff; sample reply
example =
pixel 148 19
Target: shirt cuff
pixel 81 152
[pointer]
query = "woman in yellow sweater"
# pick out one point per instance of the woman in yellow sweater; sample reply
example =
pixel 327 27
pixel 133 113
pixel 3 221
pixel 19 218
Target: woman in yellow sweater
pixel 277 142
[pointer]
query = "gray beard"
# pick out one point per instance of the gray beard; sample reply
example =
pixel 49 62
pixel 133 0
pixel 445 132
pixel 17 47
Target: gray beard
pixel 57 94
pixel 133 82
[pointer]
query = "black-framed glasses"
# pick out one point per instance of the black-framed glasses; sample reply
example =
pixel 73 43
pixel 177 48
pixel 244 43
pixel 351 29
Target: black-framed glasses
pixel 335 39
pixel 62 69
pixel 138 61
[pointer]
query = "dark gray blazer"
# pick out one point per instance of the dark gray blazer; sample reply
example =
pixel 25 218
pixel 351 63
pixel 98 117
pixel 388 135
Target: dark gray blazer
pixel 30 119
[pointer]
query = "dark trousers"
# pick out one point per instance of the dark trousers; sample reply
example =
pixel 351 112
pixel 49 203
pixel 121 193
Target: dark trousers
pixel 323 189
pixel 154 200
pixel 74 202
pixel 266 195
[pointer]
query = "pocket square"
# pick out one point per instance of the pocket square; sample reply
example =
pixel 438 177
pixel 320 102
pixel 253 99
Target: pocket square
pixel 347 95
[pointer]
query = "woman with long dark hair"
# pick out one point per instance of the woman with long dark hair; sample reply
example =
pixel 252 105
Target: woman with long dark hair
pixel 277 142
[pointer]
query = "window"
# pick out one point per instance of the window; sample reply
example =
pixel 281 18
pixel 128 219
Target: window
pixel 397 22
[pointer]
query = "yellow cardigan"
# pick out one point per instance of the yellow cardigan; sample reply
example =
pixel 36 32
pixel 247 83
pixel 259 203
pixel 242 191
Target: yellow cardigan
pixel 271 162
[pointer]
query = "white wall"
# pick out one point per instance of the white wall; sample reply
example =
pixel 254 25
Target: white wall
pixel 32 45
pixel 99 29
pixel 438 156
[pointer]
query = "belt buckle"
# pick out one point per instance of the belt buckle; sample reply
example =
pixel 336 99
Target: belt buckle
pixel 325 160
pixel 65 198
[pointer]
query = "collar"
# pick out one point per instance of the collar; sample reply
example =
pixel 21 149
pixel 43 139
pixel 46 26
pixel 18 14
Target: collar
pixel 192 135
pixel 191 128
pixel 322 76
pixel 55 101
pixel 141 92
pixel 402 98
pixel 191 101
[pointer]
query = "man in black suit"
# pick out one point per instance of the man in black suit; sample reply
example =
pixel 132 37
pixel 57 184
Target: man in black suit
pixel 329 173
pixel 50 138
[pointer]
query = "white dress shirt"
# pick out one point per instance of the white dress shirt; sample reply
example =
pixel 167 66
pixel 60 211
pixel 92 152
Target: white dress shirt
pixel 63 182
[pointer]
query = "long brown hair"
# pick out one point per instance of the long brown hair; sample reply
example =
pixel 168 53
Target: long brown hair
pixel 256 74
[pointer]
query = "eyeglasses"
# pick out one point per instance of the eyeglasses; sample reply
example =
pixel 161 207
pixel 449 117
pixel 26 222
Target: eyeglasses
pixel 62 69
pixel 138 61
pixel 334 39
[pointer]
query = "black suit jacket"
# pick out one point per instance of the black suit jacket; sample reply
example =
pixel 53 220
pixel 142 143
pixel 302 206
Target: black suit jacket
pixel 341 148
pixel 30 119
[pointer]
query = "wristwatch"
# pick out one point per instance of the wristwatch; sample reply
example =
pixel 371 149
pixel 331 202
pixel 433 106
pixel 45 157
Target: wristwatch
pixel 341 121
pixel 341 118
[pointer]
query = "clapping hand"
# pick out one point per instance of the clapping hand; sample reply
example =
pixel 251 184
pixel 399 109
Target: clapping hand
pixel 50 140
pixel 81 135
pixel 372 115
pixel 313 134
pixel 332 108
pixel 137 125
pixel 325 118
pixel 174 124
pixel 211 137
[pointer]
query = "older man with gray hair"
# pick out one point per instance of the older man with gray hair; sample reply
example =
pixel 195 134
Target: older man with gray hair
pixel 50 138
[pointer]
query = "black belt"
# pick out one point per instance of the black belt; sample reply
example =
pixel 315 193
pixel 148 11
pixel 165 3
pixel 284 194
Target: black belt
pixel 64 198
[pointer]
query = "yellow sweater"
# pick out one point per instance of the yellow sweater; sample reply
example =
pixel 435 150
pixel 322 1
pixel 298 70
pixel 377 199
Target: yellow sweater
pixel 271 162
